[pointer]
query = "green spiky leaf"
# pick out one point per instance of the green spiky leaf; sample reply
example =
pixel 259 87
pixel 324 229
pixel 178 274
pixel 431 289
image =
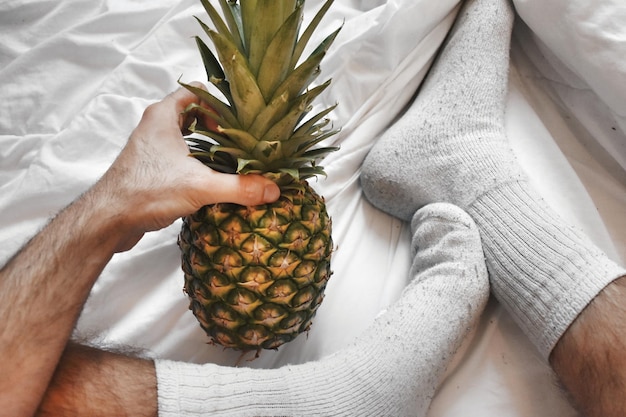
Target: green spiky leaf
pixel 245 92
pixel 224 110
pixel 215 73
pixel 232 14
pixel 206 113
pixel 276 62
pixel 255 63
pixel 241 138
pixel 218 22
pixel 308 32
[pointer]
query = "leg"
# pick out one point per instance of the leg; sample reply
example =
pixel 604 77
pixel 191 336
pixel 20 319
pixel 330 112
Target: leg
pixel 451 146
pixel 92 382
pixel 393 369
pixel 589 358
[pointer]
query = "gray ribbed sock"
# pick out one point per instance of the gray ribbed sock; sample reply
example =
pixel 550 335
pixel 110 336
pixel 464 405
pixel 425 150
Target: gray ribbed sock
pixel 392 369
pixel 451 146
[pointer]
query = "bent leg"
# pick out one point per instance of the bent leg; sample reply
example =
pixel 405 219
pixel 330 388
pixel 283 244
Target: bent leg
pixel 589 358
pixel 393 368
pixel 451 145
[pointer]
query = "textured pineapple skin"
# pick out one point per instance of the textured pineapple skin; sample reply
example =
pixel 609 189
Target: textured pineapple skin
pixel 255 276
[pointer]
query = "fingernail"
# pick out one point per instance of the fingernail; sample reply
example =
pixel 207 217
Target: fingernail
pixel 271 193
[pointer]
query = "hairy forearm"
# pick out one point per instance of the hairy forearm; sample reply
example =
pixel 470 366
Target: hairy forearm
pixel 152 183
pixel 589 359
pixel 93 382
pixel 42 291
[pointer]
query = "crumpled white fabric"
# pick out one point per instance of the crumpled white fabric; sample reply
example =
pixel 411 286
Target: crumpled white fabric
pixel 583 43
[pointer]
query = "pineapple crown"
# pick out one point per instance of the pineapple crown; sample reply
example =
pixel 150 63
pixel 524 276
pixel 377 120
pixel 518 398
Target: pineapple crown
pixel 260 127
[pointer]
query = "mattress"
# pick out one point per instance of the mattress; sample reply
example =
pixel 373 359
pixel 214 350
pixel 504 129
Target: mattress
pixel 76 76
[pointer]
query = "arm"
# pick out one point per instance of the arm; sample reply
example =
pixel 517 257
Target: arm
pixel 589 358
pixel 42 290
pixel 152 183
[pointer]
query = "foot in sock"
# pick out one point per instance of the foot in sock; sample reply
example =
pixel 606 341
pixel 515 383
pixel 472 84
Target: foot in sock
pixel 451 146
pixel 394 368
pixel 448 145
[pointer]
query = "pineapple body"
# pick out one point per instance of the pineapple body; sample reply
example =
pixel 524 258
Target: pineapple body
pixel 256 276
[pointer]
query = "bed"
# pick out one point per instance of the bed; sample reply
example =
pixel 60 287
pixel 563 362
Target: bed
pixel 75 77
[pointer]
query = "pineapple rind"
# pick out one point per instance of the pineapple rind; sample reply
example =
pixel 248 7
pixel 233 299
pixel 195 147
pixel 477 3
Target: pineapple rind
pixel 255 276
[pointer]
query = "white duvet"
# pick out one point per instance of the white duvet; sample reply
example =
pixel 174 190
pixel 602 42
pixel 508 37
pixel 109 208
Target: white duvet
pixel 76 75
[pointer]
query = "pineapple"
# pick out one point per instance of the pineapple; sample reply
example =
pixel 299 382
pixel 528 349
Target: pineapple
pixel 255 276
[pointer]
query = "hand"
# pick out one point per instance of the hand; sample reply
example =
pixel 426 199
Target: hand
pixel 154 181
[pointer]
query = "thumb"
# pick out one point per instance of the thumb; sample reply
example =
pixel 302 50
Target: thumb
pixel 247 190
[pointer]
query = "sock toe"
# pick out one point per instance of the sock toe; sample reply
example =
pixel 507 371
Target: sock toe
pixel 384 189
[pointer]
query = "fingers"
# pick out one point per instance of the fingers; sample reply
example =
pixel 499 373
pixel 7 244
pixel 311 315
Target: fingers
pixel 165 120
pixel 177 101
pixel 159 155
pixel 181 98
pixel 247 190
pixel 241 189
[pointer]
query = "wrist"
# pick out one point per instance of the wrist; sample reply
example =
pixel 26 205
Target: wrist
pixel 101 216
pixel 135 201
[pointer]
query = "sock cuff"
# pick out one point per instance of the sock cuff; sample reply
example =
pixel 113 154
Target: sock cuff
pixel 543 270
pixel 167 388
pixel 187 389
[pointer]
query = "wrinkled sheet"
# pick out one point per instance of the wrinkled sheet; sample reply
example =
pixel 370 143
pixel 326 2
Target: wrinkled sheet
pixel 76 76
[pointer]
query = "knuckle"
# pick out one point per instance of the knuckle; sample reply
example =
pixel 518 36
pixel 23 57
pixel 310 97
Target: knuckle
pixel 150 111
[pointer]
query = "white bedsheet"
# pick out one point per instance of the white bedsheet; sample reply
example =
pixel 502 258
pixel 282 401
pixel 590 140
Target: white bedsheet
pixel 75 77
